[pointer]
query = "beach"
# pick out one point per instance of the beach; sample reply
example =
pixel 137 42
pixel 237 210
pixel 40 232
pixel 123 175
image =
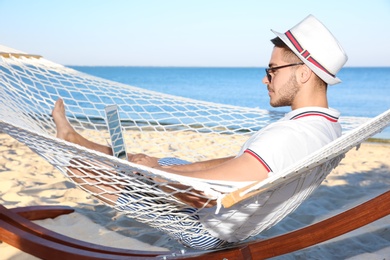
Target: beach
pixel 27 179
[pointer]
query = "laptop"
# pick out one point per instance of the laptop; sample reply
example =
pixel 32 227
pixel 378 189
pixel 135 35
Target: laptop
pixel 116 135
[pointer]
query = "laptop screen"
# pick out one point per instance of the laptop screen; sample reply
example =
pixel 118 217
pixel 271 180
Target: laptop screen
pixel 116 135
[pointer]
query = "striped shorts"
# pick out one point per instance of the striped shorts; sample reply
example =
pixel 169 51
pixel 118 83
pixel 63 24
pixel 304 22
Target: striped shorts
pixel 194 236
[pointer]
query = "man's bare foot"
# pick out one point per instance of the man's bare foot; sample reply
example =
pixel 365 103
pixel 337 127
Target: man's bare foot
pixel 65 130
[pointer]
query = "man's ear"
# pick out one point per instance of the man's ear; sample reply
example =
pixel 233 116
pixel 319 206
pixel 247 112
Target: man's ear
pixel 304 73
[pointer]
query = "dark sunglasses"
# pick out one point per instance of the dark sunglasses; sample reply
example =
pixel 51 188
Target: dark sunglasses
pixel 272 69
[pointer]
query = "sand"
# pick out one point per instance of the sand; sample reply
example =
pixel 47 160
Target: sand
pixel 26 179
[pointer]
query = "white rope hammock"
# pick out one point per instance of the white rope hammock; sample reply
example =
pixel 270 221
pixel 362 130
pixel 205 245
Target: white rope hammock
pixel 160 125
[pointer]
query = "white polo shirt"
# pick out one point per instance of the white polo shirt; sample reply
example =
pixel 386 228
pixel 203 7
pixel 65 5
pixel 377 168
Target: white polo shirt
pixel 298 134
pixel 277 146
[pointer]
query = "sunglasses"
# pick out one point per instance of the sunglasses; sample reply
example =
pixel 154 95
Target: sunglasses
pixel 273 69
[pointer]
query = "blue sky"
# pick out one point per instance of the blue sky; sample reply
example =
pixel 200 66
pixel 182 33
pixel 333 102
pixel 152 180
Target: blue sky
pixel 186 33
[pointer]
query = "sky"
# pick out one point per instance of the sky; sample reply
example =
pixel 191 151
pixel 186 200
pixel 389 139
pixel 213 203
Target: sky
pixel 199 33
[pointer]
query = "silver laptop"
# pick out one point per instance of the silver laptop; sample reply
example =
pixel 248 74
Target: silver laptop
pixel 116 135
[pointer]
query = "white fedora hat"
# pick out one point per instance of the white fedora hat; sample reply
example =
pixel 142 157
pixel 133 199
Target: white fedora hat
pixel 315 45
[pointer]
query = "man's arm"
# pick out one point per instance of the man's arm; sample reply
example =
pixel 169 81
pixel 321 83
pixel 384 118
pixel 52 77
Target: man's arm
pixel 243 168
pixel 150 161
pixel 197 166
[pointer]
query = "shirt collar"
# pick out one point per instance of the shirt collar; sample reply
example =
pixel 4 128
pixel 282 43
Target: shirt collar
pixel 328 113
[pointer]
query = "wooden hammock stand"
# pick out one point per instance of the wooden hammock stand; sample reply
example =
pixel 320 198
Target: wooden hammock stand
pixel 16 229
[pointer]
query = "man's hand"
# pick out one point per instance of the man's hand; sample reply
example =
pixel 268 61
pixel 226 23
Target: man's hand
pixel 144 159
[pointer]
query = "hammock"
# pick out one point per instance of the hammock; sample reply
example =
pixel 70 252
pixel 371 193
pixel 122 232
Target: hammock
pixel 160 125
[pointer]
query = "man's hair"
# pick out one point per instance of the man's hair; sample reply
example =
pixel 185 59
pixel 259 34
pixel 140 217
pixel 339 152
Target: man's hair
pixel 290 57
pixel 288 54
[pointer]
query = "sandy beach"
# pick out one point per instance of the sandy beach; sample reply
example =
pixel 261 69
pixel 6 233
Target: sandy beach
pixel 26 179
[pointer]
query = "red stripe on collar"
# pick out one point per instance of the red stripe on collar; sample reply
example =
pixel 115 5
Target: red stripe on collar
pixel 314 113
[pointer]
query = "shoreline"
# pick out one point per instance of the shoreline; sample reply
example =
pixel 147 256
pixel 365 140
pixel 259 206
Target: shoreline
pixel 378 140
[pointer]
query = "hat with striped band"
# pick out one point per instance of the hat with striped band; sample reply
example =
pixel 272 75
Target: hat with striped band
pixel 315 45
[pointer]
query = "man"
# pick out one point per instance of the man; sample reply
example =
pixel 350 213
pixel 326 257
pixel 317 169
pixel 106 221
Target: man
pixel 303 62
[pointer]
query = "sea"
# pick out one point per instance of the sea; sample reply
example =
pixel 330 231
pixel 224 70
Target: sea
pixel 364 91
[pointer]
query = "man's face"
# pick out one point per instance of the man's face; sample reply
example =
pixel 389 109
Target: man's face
pixel 283 86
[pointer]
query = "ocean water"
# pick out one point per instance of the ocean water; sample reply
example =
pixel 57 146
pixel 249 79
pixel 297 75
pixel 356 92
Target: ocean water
pixel 364 92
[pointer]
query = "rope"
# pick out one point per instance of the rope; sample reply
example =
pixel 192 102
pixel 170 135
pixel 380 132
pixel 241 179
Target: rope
pixel 160 125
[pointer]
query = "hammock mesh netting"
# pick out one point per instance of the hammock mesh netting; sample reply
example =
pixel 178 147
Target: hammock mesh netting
pixel 159 125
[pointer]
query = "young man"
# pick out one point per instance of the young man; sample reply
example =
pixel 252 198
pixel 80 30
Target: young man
pixel 303 62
